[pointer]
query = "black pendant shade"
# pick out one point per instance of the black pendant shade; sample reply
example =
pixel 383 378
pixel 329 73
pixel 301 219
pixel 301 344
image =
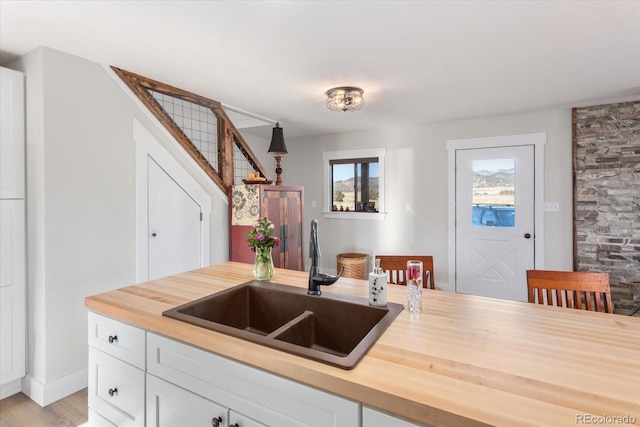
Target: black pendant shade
pixel 277 141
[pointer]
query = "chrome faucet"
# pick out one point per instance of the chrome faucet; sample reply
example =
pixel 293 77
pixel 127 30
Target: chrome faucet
pixel 316 279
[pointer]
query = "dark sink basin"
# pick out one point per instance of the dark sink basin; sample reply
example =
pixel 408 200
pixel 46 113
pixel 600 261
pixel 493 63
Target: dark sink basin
pixel 337 330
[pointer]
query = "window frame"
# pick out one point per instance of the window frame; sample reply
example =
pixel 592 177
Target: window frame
pixel 355 155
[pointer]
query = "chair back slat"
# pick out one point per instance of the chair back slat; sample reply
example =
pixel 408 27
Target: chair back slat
pixel 559 300
pixel 570 300
pixel 396 268
pixel 577 299
pixel 597 300
pixel 580 290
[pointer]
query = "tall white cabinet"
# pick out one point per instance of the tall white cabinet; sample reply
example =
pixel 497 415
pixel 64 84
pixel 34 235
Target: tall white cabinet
pixel 12 232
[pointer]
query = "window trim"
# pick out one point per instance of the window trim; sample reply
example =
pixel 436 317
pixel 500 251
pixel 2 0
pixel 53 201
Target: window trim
pixel 354 155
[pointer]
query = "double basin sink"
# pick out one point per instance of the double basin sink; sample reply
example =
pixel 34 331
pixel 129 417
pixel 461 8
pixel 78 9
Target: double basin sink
pixel 334 329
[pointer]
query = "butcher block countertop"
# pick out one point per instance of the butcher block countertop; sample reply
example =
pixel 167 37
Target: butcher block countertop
pixel 465 360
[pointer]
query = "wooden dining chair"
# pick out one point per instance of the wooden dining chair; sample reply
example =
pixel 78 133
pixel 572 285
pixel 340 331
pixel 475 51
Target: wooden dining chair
pixel 572 289
pixel 396 268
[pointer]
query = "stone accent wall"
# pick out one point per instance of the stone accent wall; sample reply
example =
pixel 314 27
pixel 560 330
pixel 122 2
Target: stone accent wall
pixel 606 145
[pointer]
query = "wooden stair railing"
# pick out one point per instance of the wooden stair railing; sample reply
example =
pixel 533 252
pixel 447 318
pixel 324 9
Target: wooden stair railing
pixel 227 134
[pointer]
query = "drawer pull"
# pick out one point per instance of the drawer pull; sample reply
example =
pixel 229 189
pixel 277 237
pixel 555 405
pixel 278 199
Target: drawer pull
pixel 113 391
pixel 235 425
pixel 215 422
pixel 113 338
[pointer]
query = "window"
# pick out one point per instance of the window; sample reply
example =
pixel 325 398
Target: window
pixel 354 184
pixel 493 193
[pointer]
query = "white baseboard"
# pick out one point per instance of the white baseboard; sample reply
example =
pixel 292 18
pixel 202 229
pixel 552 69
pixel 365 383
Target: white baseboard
pixel 46 394
pixel 11 388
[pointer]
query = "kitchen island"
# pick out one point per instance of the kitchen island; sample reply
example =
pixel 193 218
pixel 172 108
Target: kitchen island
pixel 466 360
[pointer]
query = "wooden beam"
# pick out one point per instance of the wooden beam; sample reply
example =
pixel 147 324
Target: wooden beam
pixel 227 135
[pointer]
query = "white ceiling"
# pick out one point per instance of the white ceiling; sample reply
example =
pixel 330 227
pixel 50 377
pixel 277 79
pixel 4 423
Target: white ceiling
pixel 417 61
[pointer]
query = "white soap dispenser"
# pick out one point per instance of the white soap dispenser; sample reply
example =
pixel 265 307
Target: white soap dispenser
pixel 377 286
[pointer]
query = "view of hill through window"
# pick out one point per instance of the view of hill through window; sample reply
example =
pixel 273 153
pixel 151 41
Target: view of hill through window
pixel 355 186
pixel 493 182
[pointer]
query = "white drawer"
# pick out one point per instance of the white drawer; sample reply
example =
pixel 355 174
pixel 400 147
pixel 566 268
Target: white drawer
pixel 116 390
pixel 118 339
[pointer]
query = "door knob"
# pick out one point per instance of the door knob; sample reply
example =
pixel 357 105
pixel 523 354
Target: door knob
pixel 153 234
pixel 527 235
pixel 215 422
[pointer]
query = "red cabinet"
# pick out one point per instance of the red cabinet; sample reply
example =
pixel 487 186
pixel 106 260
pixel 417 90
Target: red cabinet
pixel 283 206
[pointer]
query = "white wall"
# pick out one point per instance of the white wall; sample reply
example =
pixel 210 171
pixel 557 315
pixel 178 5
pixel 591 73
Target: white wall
pixel 81 208
pixel 416 187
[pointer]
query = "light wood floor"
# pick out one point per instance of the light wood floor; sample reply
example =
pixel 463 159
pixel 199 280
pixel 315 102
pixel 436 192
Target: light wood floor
pixel 20 411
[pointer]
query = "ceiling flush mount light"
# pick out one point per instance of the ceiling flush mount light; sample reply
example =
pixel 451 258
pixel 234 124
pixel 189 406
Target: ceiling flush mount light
pixel 345 98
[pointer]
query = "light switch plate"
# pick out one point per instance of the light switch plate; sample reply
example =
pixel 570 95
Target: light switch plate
pixel 552 206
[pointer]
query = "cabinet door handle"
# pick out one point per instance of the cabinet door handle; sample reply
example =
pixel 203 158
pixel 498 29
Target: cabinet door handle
pixel 234 425
pixel 215 422
pixel 113 391
pixel 113 338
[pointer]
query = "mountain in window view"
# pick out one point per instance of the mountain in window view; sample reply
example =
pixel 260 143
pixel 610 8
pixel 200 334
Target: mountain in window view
pixel 347 185
pixel 499 178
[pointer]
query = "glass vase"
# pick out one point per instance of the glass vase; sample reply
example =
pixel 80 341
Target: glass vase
pixel 263 265
pixel 414 286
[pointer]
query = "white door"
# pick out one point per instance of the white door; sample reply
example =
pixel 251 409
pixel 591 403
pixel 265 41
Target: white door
pixel 174 226
pixel 494 221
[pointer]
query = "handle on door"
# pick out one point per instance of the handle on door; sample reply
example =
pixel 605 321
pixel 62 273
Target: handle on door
pixel 154 234
pixel 527 235
pixel 113 391
pixel 215 422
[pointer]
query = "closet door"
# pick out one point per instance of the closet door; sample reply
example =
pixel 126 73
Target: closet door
pixel 283 205
pixel 174 226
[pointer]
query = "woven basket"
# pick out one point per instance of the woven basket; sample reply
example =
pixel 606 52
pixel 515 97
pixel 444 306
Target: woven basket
pixel 355 265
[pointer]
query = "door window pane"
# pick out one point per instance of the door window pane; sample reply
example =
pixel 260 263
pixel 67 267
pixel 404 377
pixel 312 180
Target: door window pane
pixel 493 193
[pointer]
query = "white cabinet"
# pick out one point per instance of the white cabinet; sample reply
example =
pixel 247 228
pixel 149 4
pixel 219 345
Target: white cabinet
pixel 252 395
pixel 375 418
pixel 12 290
pixel 138 378
pixel 12 139
pixel 170 405
pixel 116 373
pixel 239 420
pixel 13 311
